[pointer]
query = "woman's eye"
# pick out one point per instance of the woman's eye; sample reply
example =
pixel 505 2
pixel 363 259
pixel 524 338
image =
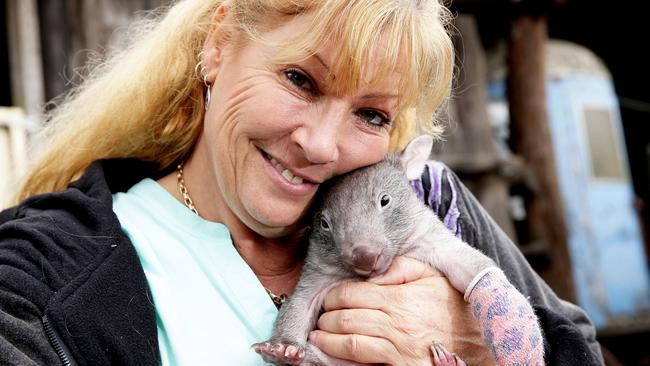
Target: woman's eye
pixel 300 80
pixel 373 118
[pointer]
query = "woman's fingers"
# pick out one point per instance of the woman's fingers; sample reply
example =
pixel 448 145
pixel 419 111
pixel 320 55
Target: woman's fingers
pixel 354 347
pixel 369 322
pixel 405 316
pixel 371 294
pixel 395 319
pixel 355 295
pixel 404 270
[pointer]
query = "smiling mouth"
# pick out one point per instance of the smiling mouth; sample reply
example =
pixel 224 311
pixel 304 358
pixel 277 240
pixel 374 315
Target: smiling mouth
pixel 284 172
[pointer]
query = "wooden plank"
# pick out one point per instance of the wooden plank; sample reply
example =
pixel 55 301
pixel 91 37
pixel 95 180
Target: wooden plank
pixel 469 147
pixel 55 48
pixel 25 56
pixel 102 23
pixel 470 137
pixel 78 30
pixel 532 140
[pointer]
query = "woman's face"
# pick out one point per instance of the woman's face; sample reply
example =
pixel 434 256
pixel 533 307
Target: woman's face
pixel 273 133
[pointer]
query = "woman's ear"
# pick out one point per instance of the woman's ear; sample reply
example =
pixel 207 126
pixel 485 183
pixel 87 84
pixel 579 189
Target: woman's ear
pixel 214 42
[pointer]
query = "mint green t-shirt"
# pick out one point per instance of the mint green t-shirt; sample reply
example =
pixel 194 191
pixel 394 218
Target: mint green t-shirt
pixel 210 307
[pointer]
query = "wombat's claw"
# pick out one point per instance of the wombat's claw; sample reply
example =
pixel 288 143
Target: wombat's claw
pixel 442 357
pixel 279 353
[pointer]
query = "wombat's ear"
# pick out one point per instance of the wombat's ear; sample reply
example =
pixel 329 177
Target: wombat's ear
pixel 415 155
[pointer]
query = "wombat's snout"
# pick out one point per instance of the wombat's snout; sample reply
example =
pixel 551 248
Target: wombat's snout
pixel 362 258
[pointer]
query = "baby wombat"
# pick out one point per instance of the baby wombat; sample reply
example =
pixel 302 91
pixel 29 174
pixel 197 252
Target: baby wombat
pixel 368 217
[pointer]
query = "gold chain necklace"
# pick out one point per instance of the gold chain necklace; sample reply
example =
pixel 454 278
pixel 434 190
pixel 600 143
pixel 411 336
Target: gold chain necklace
pixel 181 186
pixel 277 300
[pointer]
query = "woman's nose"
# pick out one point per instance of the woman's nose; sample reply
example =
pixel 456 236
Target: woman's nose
pixel 319 137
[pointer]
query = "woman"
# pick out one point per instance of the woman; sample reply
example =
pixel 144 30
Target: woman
pixel 231 115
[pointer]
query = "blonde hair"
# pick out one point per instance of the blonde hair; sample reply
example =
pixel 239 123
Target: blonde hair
pixel 146 102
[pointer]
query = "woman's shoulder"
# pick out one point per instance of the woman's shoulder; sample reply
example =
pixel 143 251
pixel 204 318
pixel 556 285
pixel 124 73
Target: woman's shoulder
pixel 63 259
pixel 443 191
pixel 79 210
pixel 48 239
pixel 84 208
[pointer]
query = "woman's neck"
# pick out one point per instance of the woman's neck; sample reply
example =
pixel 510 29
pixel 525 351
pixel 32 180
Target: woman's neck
pixel 276 261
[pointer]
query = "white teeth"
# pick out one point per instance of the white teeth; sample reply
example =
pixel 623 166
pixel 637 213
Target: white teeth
pixel 287 175
pixel 285 172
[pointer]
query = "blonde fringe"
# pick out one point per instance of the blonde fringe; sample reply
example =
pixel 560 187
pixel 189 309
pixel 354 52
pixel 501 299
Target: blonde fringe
pixel 146 102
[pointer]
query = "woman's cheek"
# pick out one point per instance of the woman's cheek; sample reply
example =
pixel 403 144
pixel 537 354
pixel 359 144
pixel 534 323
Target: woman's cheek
pixel 278 114
pixel 363 148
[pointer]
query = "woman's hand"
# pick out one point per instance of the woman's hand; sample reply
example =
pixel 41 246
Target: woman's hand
pixel 394 319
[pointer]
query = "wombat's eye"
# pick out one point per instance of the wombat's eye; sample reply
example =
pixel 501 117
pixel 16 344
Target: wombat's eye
pixel 324 224
pixel 384 200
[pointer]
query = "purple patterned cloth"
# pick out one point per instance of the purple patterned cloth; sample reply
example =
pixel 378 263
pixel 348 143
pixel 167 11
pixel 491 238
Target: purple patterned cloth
pixel 435 171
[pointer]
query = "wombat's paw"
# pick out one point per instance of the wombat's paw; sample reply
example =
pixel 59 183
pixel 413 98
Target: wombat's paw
pixel 442 357
pixel 280 353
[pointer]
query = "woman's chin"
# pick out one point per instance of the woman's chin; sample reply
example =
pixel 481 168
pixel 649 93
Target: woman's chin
pixel 272 232
pixel 276 216
pixel 275 225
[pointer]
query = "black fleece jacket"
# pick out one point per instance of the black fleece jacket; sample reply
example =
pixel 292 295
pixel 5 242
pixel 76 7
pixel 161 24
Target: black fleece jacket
pixel 73 292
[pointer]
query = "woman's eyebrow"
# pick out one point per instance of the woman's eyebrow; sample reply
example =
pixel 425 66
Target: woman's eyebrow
pixel 366 96
pixel 330 77
pixel 317 57
pixel 379 95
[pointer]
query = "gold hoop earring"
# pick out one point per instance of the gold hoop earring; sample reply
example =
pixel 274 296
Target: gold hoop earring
pixel 196 68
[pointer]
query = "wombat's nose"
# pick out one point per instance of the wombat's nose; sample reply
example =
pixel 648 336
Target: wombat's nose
pixel 363 259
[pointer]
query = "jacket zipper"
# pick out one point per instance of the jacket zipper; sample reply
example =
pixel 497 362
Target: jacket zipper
pixel 56 343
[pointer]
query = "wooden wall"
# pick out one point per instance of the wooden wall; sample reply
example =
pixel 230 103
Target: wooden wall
pixel 73 31
pixel 470 148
